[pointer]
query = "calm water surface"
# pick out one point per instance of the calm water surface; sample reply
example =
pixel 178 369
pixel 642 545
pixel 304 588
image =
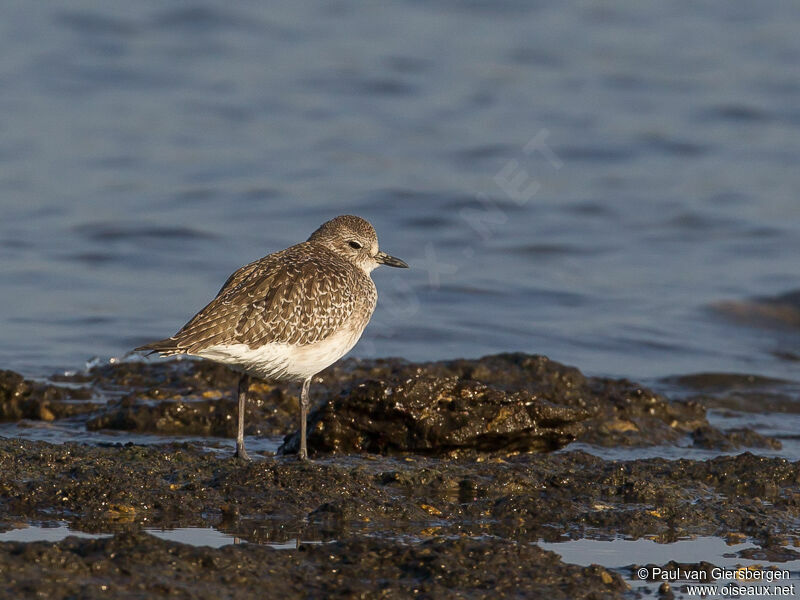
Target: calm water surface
pixel 610 185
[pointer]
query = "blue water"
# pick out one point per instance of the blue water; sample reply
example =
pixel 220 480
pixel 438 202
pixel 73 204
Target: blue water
pixel 147 149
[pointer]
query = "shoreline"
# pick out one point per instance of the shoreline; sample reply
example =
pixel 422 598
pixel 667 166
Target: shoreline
pixel 439 477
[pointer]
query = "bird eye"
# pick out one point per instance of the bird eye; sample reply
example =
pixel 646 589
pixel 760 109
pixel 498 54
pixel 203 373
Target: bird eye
pixel 355 245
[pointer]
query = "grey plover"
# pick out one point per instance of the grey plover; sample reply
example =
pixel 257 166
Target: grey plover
pixel 289 315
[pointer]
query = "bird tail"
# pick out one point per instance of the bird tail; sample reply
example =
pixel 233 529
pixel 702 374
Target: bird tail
pixel 165 347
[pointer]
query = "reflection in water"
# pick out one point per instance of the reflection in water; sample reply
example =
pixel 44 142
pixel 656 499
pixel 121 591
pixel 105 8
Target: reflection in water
pixel 37 533
pixel 61 432
pixel 195 536
pixel 192 536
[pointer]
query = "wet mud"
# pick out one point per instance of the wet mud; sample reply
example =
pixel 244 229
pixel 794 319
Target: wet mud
pixel 428 480
pixel 138 565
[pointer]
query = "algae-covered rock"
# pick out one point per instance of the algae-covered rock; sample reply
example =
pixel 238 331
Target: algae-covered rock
pixel 503 403
pixel 267 413
pixel 137 565
pixel 24 399
pixel 436 415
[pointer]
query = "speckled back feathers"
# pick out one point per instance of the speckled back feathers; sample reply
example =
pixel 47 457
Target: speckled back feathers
pixel 298 296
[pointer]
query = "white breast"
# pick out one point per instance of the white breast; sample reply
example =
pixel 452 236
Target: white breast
pixel 284 362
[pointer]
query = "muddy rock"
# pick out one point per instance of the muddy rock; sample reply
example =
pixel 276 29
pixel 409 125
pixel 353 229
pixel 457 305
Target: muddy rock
pixel 504 403
pixel 438 415
pixel 713 439
pixel 429 479
pixel 136 565
pixel 269 411
pixel 621 412
pixel 183 397
pixel 777 553
pixel 447 527
pixel 525 498
pixel 737 392
pixel 24 399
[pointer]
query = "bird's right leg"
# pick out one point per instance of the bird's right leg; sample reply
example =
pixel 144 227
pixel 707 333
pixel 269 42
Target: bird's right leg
pixel 244 385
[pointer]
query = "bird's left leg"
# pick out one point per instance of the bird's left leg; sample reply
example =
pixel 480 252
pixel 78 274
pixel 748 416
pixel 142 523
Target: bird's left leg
pixel 304 403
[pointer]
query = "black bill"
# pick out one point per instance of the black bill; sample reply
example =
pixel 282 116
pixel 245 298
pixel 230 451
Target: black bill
pixel 390 261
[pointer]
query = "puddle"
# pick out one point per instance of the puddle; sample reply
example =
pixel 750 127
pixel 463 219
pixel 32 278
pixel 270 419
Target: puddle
pixel 63 432
pixel 615 554
pixel 619 554
pixel 192 536
pixel 209 536
pixel 38 533
pixel 643 453
pixel 196 536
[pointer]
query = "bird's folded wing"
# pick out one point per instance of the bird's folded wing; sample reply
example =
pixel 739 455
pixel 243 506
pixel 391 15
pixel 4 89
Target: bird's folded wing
pixel 289 297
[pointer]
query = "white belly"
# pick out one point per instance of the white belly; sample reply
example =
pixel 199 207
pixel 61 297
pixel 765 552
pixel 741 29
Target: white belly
pixel 284 362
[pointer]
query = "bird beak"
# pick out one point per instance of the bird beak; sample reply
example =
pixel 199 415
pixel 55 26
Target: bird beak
pixel 389 261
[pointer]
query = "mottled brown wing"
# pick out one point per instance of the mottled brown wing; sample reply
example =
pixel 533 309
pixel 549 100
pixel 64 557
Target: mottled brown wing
pixel 240 275
pixel 294 296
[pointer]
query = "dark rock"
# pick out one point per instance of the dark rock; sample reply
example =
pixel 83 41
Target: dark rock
pixel 406 521
pixel 523 498
pixel 269 411
pixel 436 415
pixel 736 392
pixel 137 565
pixel 724 382
pixel 23 399
pixel 775 553
pixel 711 438
pixel 504 403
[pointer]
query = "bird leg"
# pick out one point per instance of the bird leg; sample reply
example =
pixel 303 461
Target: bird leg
pixel 244 385
pixel 304 402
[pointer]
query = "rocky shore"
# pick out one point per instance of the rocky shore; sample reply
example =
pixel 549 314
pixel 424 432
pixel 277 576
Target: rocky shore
pixel 430 480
